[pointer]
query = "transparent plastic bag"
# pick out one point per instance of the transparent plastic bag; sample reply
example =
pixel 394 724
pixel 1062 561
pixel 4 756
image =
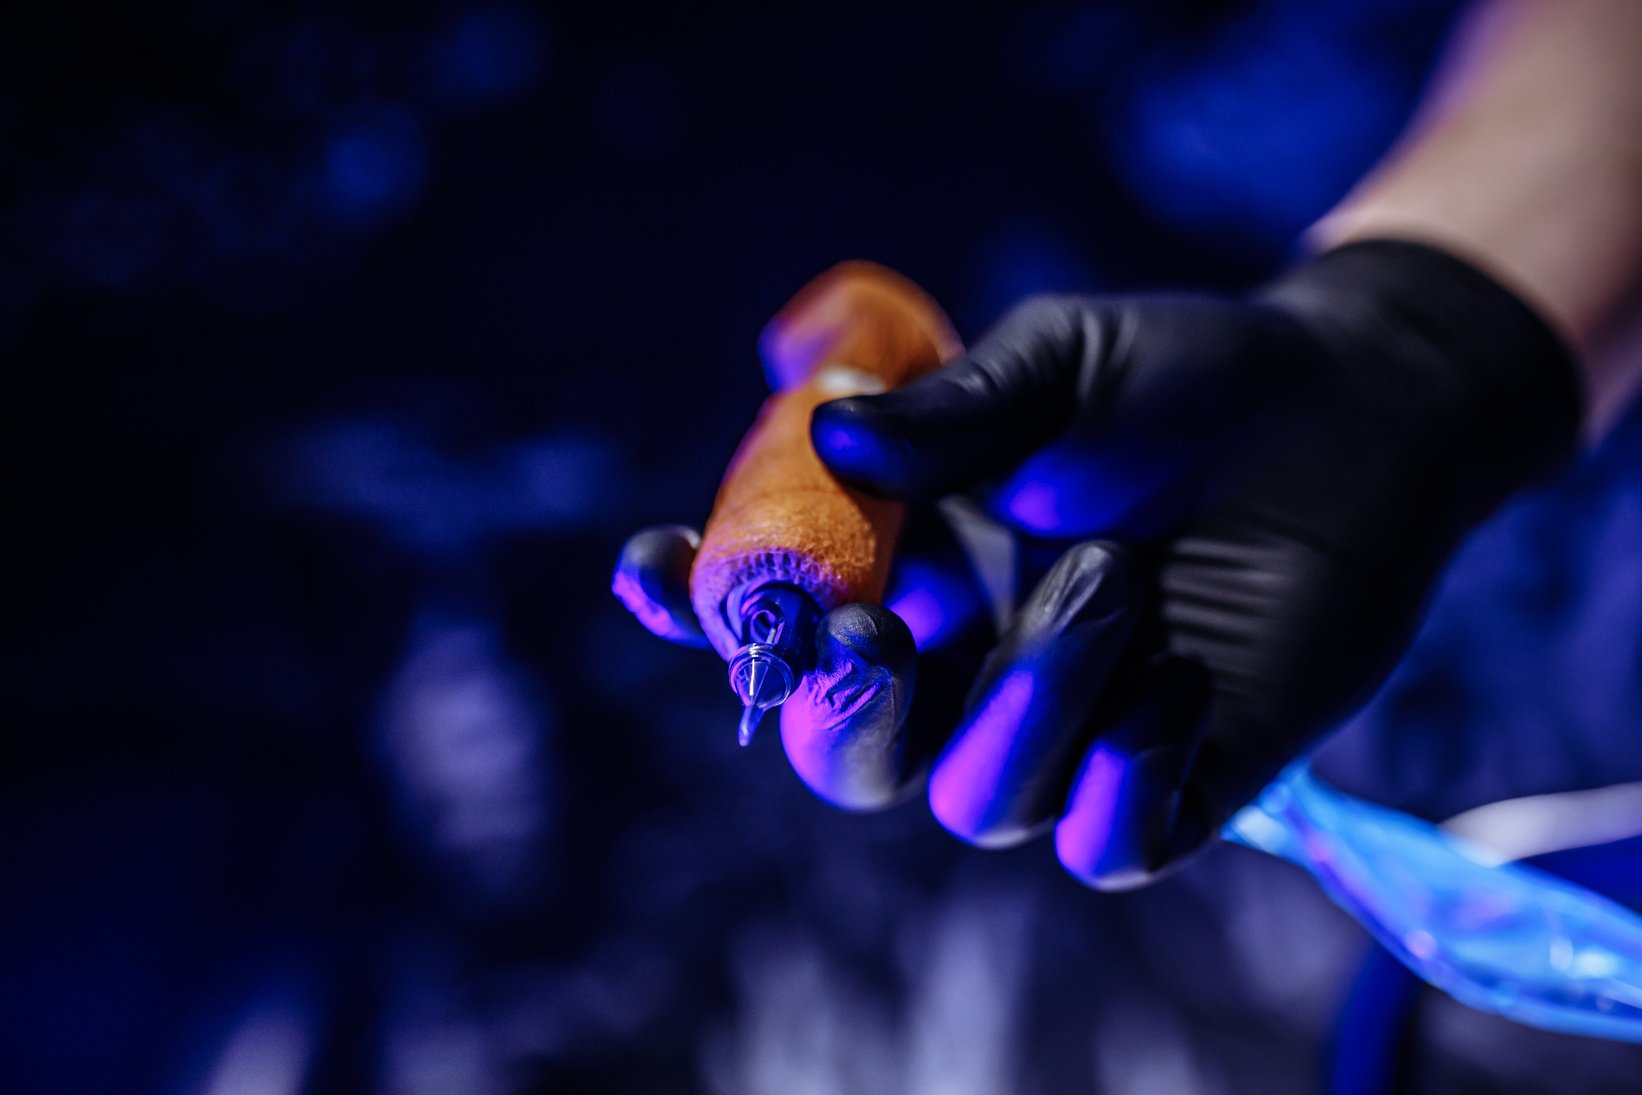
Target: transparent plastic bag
pixel 1499 936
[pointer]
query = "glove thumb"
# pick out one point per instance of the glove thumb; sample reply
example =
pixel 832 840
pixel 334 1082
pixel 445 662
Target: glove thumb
pixel 978 417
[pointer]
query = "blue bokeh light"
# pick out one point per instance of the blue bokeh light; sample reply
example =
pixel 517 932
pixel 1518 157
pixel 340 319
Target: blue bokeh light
pixel 375 165
pixel 1024 256
pixel 490 55
pixel 1254 132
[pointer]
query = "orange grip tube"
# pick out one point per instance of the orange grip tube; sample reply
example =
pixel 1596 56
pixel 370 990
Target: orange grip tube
pixel 779 514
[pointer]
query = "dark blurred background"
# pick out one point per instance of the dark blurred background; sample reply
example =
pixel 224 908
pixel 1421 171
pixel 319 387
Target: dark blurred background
pixel 345 343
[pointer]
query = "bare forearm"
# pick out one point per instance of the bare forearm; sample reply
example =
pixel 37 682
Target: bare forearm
pixel 1528 162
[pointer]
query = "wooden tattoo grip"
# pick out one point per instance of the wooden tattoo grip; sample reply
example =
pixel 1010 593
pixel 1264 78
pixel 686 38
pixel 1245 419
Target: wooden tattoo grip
pixel 779 514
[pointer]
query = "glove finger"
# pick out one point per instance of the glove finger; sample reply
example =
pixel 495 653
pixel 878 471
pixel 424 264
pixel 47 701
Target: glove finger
pixel 842 726
pixel 1121 822
pixel 1005 774
pixel 1077 417
pixel 978 417
pixel 652 580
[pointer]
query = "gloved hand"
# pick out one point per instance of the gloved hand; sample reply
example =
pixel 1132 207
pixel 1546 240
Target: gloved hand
pixel 1250 499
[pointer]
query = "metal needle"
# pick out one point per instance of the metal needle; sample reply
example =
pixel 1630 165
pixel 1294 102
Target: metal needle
pixel 760 690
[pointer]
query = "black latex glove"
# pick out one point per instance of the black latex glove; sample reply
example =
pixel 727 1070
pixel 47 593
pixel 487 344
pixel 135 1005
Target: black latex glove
pixel 1252 498
pixel 850 729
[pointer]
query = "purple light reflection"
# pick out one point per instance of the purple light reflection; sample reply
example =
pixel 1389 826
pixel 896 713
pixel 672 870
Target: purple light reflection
pixel 1034 505
pixel 925 598
pixel 920 609
pixel 838 718
pixel 966 780
pixel 1084 834
pixel 790 352
pixel 656 619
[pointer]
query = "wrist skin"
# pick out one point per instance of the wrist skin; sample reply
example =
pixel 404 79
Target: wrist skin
pixel 1526 163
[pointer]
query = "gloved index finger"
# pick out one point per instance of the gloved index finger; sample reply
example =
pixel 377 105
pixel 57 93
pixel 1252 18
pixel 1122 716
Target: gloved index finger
pixel 978 417
pixel 1005 774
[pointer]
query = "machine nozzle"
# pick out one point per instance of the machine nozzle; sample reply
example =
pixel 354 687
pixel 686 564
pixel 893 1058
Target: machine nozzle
pixel 763 679
pixel 777 626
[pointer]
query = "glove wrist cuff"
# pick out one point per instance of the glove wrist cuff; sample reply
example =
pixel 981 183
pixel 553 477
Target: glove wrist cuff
pixel 1499 376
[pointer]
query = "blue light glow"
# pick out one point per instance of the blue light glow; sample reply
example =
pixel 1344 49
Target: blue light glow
pixel 1032 504
pixel 436 503
pixel 375 166
pixel 491 54
pixel 920 607
pixel 1495 935
pixel 1256 132
pixel 932 602
pixel 1028 255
